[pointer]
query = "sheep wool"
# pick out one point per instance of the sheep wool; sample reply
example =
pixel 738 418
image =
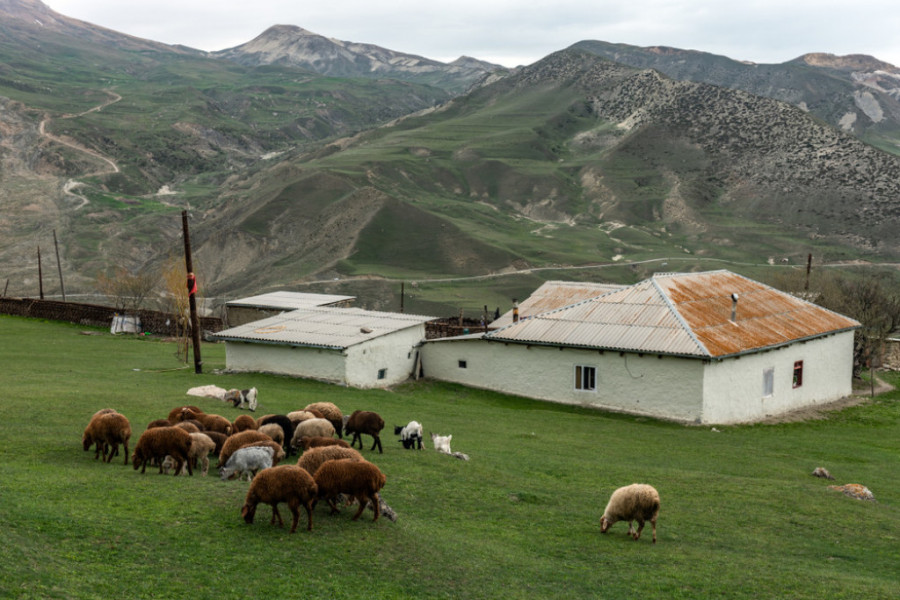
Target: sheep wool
pixel 248 460
pixel 158 442
pixel 287 483
pixel 244 423
pixel 239 440
pixel 360 480
pixel 365 422
pixel 315 427
pixel 329 411
pixel 314 458
pixel 636 502
pixel 107 430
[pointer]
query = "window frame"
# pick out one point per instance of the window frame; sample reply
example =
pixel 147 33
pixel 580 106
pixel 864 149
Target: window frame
pixel 585 378
pixel 768 382
pixel 797 375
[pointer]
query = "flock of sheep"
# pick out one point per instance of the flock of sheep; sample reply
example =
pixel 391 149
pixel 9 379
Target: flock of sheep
pixel 328 468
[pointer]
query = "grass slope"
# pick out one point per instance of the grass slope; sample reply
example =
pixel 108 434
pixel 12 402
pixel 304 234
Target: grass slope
pixel 741 515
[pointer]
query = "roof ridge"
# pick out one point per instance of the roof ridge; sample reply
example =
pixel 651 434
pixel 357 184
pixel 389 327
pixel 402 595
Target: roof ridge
pixel 674 310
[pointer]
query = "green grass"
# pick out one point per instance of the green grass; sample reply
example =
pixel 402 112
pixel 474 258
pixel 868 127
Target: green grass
pixel 741 515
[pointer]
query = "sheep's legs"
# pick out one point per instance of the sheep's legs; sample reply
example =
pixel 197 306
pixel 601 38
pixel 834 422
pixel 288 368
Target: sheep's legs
pixel 276 514
pixel 377 442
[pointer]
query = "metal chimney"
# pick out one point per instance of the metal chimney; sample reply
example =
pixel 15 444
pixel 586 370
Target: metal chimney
pixel 734 301
pixel 515 311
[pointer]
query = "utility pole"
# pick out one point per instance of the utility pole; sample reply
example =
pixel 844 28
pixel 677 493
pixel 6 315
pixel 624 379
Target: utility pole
pixel 62 287
pixel 40 275
pixel 192 291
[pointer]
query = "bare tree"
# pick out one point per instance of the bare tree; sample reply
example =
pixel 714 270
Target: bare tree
pixel 175 299
pixel 127 290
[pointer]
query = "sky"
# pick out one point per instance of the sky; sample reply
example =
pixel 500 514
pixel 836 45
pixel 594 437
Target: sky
pixel 512 33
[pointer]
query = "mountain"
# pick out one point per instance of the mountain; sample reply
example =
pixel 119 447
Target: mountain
pixel 296 47
pixel 858 94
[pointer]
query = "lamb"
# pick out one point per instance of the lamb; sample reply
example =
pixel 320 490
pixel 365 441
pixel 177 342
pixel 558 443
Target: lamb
pixel 311 428
pixel 248 460
pixel 317 441
pixel 360 480
pixel 637 501
pixel 158 442
pixel 365 422
pixel 410 435
pixel 441 442
pixel 274 431
pixel 286 483
pixel 314 458
pixel 243 423
pixel 107 431
pixel 201 447
pixel 331 412
pixel 240 440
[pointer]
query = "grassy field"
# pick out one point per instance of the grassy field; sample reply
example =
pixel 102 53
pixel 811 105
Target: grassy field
pixel 741 516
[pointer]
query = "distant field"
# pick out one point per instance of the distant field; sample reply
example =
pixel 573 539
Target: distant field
pixel 741 517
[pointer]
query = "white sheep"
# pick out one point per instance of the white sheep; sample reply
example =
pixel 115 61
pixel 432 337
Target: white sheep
pixel 201 447
pixel 247 460
pixel 311 428
pixel 410 435
pixel 636 502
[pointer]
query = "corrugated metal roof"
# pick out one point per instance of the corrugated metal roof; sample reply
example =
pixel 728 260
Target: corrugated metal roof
pixel 322 327
pixel 282 300
pixel 685 314
pixel 555 294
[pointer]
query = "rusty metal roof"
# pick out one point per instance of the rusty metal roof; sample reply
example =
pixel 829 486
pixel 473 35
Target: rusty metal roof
pixel 322 327
pixel 282 300
pixel 555 294
pixel 683 314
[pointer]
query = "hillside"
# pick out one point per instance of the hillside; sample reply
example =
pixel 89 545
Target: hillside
pixel 858 94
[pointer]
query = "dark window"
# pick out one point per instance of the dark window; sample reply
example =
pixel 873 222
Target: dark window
pixel 585 378
pixel 463 364
pixel 798 374
pixel 382 373
pixel 768 382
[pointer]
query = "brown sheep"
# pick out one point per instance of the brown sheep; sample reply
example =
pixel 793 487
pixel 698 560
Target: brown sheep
pixel 159 423
pixel 274 431
pixel 313 458
pixel 365 422
pixel 243 423
pixel 239 440
pixel 158 442
pixel 286 483
pixel 311 427
pixel 189 426
pixel 331 412
pixel 317 441
pixel 297 416
pixel 218 438
pixel 636 502
pixel 175 413
pixel 360 480
pixel 107 431
pixel 210 422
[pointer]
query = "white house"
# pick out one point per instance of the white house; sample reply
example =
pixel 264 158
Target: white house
pixel 552 295
pixel 254 308
pixel 710 347
pixel 348 346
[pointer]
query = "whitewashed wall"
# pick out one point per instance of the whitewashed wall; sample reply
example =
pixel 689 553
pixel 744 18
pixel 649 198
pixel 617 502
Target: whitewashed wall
pixel 394 352
pixel 315 363
pixel 733 389
pixel 667 387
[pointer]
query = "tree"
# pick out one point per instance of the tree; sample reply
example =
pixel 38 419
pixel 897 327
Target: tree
pixel 176 303
pixel 127 290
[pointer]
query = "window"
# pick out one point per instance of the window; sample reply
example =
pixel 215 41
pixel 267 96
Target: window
pixel 382 373
pixel 462 364
pixel 585 378
pixel 768 382
pixel 798 374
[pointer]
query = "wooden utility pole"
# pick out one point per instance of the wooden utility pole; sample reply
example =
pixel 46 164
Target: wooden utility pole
pixel 62 287
pixel 40 275
pixel 808 269
pixel 192 291
pixel 402 294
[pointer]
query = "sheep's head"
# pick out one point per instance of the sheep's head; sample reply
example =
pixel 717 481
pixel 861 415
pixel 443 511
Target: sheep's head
pixel 604 524
pixel 86 442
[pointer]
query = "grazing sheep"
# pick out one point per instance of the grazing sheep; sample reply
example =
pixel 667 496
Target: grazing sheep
pixel 159 423
pixel 156 443
pixel 248 460
pixel 287 427
pixel 242 398
pixel 243 423
pixel 314 458
pixel 107 430
pixel 365 422
pixel 317 441
pixel 189 426
pixel 298 416
pixel 218 438
pixel 311 428
pixel 410 435
pixel 636 502
pixel 277 451
pixel 441 442
pixel 329 411
pixel 274 431
pixel 210 422
pixel 175 413
pixel 286 483
pixel 201 447
pixel 240 440
pixel 360 480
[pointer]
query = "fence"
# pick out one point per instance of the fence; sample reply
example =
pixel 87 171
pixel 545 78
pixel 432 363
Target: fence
pixel 98 316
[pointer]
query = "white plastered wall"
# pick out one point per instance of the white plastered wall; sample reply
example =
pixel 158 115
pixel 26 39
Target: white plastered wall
pixel 316 363
pixel 394 352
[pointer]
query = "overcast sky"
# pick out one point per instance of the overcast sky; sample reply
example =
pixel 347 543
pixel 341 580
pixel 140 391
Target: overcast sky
pixel 521 32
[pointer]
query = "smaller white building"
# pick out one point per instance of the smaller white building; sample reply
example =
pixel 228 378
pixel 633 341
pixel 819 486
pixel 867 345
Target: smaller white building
pixel 347 346
pixel 254 308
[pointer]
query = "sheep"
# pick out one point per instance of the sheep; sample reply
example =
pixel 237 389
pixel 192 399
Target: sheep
pixel 243 423
pixel 410 435
pixel 358 479
pixel 331 412
pixel 314 458
pixel 239 440
pixel 210 422
pixel 248 461
pixel 218 438
pixel 298 416
pixel 201 447
pixel 441 442
pixel 365 422
pixel 156 443
pixel 311 428
pixel 287 427
pixel 636 502
pixel 274 431
pixel 107 431
pixel 159 423
pixel 317 441
pixel 287 483
pixel 175 413
pixel 189 426
pixel 277 450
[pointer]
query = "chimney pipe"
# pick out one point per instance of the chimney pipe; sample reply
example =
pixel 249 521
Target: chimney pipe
pixel 515 311
pixel 734 301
